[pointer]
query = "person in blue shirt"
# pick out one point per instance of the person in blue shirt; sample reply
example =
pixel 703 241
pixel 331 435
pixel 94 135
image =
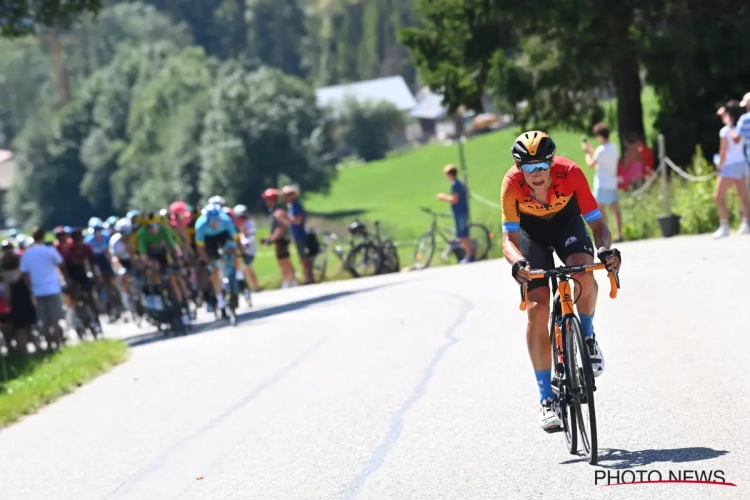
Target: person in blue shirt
pixel 459 201
pixel 297 219
pixel 215 230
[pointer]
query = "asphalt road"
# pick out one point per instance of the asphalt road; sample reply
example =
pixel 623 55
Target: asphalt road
pixel 411 386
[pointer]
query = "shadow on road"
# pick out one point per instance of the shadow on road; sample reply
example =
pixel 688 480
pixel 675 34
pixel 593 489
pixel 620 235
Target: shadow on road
pixel 244 317
pixel 624 459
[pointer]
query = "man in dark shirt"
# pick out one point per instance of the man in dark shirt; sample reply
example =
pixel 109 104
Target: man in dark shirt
pixel 297 218
pixel 460 207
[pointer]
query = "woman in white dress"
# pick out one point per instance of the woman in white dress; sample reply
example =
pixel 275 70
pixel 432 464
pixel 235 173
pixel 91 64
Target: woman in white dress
pixel 733 171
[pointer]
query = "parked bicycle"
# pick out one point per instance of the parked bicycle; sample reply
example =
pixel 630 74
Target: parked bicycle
pixel 481 240
pixel 329 243
pixel 572 375
pixel 370 250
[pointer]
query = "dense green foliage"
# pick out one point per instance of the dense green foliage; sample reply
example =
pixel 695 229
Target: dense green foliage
pixel 549 62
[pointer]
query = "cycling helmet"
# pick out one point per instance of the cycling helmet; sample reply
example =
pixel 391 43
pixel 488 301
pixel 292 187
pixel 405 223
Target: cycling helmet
pixel 240 211
pixel 356 228
pixel 179 207
pixel 533 147
pixel 96 223
pixel 8 245
pixel 270 193
pixel 124 226
pixel 218 200
pixel 76 233
pixel 212 211
pixel 149 218
pixel 164 213
pixel 13 233
pixel 132 214
pixel 59 230
pixel 112 220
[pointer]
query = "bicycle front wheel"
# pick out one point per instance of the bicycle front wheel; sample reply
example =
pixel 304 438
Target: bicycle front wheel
pixel 365 259
pixel 564 410
pixel 480 240
pixel 582 387
pixel 424 251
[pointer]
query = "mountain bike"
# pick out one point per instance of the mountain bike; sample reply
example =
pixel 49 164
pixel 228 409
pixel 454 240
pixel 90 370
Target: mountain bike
pixel 427 244
pixel 572 375
pixel 329 242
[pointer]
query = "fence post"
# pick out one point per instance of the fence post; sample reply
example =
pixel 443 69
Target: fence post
pixel 669 223
pixel 664 178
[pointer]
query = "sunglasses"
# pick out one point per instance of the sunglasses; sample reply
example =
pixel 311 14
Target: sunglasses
pixel 531 168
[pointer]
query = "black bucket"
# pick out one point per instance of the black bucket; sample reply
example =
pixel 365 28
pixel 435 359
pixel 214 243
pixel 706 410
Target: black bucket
pixel 670 225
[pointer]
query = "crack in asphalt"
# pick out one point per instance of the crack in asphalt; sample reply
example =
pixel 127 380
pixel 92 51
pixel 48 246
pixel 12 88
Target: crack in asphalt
pixel 396 423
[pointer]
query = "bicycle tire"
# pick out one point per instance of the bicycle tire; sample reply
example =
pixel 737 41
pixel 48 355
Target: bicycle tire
pixel 424 250
pixel 581 395
pixel 320 264
pixel 391 255
pixel 366 248
pixel 565 413
pixel 484 234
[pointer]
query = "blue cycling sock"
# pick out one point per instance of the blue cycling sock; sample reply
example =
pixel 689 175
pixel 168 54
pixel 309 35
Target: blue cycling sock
pixel 587 324
pixel 543 380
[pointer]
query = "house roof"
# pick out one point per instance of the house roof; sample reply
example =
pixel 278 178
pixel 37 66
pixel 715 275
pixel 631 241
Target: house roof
pixel 392 89
pixel 430 107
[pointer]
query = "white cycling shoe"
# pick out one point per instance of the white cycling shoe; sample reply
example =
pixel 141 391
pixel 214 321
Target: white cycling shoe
pixel 547 418
pixel 595 355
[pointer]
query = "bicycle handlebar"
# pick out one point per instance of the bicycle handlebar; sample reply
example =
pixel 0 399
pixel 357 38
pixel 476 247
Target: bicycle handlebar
pixel 614 279
pixel 435 214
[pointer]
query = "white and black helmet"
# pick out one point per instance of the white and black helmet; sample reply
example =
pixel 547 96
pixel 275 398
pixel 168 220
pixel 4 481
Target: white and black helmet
pixel 218 200
pixel 240 211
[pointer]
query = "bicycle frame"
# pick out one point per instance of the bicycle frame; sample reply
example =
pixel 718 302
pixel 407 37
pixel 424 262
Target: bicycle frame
pixel 564 292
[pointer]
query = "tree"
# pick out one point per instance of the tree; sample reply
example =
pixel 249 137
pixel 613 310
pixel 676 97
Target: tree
pixel 366 127
pixel 262 125
pixel 21 17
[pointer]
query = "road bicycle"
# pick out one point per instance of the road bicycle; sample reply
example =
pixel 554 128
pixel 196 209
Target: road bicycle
pixel 572 375
pixel 426 247
pixel 329 242
pixel 372 249
pixel 228 278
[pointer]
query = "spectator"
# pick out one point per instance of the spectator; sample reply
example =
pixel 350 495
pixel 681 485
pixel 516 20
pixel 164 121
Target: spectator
pixel 604 159
pixel 633 161
pixel 279 238
pixel 22 314
pixel 297 218
pixel 459 201
pixel 733 170
pixel 42 265
pixel 741 132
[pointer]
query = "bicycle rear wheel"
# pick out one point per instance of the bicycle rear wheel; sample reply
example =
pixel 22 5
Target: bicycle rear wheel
pixel 424 250
pixel 582 387
pixel 319 265
pixel 480 240
pixel 390 251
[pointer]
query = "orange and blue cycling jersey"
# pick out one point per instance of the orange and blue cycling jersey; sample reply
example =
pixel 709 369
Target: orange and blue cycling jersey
pixel 569 196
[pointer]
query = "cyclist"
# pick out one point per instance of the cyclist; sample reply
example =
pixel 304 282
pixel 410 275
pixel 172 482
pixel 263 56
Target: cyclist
pixel 98 240
pixel 247 229
pixel 122 256
pixel 545 200
pixel 79 265
pixel 156 245
pixel 215 230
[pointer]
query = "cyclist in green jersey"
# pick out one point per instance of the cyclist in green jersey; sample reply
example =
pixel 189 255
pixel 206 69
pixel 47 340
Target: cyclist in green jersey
pixel 156 243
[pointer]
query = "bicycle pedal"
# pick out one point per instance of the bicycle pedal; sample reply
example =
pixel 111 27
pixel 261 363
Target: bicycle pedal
pixel 554 430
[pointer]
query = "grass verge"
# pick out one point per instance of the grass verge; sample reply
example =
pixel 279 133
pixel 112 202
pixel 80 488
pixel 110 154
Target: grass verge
pixel 29 382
